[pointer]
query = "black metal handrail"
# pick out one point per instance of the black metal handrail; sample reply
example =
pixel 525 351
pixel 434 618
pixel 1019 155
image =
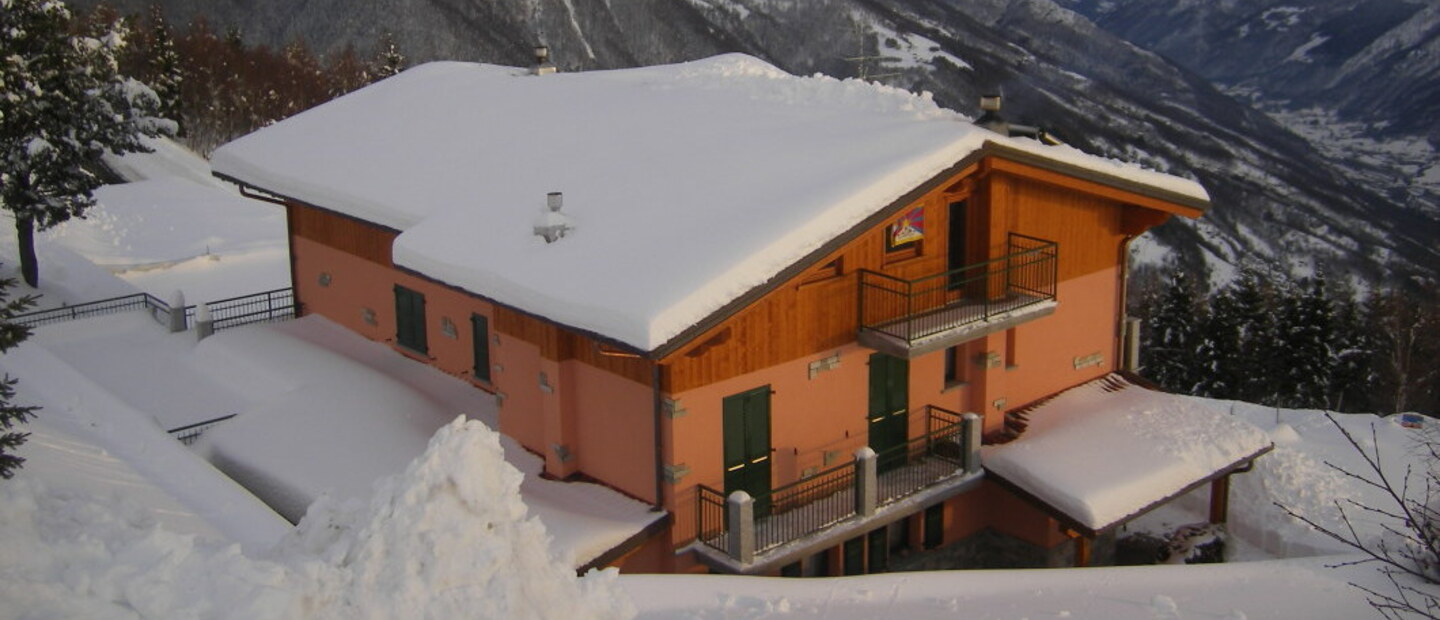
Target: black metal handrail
pixel 113 305
pixel 827 497
pixel 922 461
pixel 190 433
pixel 911 310
pixel 806 505
pixel 278 304
pixel 710 518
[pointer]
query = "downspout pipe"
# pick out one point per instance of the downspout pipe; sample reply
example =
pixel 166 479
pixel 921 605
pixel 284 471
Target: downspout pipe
pixel 659 505
pixel 1123 301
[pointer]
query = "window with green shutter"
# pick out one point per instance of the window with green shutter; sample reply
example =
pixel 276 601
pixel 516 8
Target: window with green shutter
pixel 410 319
pixel 480 327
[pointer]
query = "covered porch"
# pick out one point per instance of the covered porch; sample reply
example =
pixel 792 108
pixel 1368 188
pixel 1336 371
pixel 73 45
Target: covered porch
pixel 1104 453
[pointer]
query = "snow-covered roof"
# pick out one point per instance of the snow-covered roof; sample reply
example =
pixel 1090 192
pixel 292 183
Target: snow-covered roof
pixel 1106 451
pixel 688 185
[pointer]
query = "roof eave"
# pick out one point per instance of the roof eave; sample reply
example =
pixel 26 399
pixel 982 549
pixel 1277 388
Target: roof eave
pixel 1074 524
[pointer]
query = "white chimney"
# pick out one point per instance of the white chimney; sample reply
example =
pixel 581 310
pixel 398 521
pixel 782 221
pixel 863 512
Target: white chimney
pixel 990 115
pixel 552 225
pixel 543 66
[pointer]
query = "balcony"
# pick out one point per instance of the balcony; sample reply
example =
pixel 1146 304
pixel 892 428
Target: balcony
pixel 908 318
pixel 825 509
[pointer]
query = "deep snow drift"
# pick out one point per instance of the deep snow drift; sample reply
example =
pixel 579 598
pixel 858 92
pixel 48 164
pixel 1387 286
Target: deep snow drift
pixel 448 538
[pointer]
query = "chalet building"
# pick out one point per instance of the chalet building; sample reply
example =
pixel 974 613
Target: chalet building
pixel 691 280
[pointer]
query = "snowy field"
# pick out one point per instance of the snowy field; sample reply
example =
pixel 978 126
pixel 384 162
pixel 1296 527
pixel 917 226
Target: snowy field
pixel 112 518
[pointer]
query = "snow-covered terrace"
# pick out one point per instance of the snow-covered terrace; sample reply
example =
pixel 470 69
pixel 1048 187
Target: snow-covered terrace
pixel 1108 451
pixel 321 412
pixel 688 185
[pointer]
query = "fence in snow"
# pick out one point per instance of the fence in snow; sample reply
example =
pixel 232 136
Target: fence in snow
pixel 276 305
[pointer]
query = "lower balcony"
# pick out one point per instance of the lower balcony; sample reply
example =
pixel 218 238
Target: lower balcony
pixel 909 318
pixel 740 534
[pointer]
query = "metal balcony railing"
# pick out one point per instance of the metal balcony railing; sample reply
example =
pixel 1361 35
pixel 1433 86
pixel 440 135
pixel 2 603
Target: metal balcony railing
pixel 276 305
pixel 853 490
pixel 912 311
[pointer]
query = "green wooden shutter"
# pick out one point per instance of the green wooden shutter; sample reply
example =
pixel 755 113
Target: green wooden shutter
pixel 410 319
pixel 480 327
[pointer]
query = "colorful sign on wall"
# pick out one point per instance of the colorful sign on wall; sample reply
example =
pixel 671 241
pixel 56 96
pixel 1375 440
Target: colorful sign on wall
pixel 908 229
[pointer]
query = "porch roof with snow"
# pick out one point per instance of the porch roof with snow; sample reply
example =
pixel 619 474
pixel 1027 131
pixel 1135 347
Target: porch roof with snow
pixel 1107 451
pixel 689 185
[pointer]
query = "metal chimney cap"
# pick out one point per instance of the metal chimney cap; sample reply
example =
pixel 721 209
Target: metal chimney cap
pixel 554 200
pixel 990 103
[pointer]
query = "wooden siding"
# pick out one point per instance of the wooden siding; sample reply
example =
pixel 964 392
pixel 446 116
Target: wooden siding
pixel 559 344
pixel 1087 228
pixel 814 311
pixel 347 234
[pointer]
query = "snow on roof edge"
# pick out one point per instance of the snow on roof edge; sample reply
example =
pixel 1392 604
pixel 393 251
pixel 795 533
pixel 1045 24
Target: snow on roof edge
pixel 653 325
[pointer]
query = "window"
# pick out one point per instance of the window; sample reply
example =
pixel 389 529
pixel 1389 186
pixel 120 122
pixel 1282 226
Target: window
pixel 410 319
pixel 480 330
pixel 954 374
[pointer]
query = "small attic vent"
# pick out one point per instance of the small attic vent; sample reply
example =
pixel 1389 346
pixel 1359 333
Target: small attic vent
pixel 543 66
pixel 552 225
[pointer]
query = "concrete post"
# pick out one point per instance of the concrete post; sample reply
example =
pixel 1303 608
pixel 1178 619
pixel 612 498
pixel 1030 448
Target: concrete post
pixel 204 325
pixel 741 509
pixel 972 426
pixel 867 481
pixel 177 312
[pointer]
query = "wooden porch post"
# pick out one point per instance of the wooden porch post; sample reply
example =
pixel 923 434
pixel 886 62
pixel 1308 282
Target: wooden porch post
pixel 1220 499
pixel 1082 548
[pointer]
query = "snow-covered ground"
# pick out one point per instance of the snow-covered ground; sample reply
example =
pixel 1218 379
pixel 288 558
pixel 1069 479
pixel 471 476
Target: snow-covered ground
pixel 111 518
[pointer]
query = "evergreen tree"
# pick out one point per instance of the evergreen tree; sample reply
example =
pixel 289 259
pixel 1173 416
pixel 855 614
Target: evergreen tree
pixel 1405 344
pixel 1237 353
pixel 163 71
pixel 1171 336
pixel 10 414
pixel 1221 354
pixel 1306 345
pixel 1254 367
pixel 388 59
pixel 1351 375
pixel 63 105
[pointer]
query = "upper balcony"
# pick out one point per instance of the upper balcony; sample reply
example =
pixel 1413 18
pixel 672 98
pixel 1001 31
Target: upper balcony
pixel 757 535
pixel 909 318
